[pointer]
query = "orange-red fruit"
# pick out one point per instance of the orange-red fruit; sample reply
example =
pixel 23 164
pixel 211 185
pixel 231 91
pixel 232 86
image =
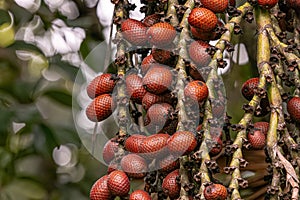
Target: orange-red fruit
pixel 100 108
pixel 203 19
pixel 169 163
pixel 158 79
pixel 257 139
pixel 135 88
pixel 217 6
pixel 102 84
pixel 163 55
pixel 215 192
pixel 182 143
pixel 150 20
pixel 134 165
pixel 198 54
pixel 202 35
pixel 99 190
pixel 196 91
pixel 161 34
pixel 217 148
pixel 293 108
pixel 146 63
pixel 158 114
pixel 170 186
pixel 150 99
pixel 248 88
pixel 262 126
pixel 267 4
pixel 133 143
pixel 154 146
pixel 118 183
pixel 139 195
pixel 134 31
pixel 109 150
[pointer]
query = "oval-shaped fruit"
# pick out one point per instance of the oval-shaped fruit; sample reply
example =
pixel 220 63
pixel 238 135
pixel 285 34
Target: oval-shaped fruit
pixel 202 35
pixel 118 183
pixel 150 20
pixel 147 63
pixel 257 139
pixel 158 114
pixel 182 143
pixel 215 192
pixel 109 150
pixel 154 146
pixel 203 19
pixel 102 84
pixel 169 163
pixel 293 108
pixel 133 143
pixel 99 190
pixel 163 55
pixel 134 31
pixel 198 53
pixel 150 99
pixel 267 4
pixel 217 6
pixel 196 91
pixel 100 108
pixel 262 126
pixel 170 186
pixel 158 79
pixel 139 195
pixel 217 147
pixel 134 165
pixel 161 34
pixel 248 88
pixel 135 88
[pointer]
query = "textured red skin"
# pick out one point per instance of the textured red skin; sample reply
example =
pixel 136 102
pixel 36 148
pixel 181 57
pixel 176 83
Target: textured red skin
pixel 100 108
pixel 134 31
pixel 154 146
pixel 168 164
pixel 109 150
pixel 267 4
pixel 248 88
pixel 217 6
pixel 134 165
pixel 158 114
pixel 150 99
pixel 150 20
pixel 293 108
pixel 118 183
pixel 102 84
pixel 262 126
pixel 169 185
pixel 99 190
pixel 134 142
pixel 202 35
pixel 257 139
pixel 196 90
pixel 158 79
pixel 135 88
pixel 139 195
pixel 162 56
pixel 215 192
pixel 161 34
pixel 198 54
pixel 182 143
pixel 203 19
pixel 216 150
pixel 146 63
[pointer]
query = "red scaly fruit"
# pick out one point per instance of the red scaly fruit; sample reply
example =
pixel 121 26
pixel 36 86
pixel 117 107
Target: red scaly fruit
pixel 203 19
pixel 150 99
pixel 202 35
pixel 139 195
pixel 154 146
pixel 133 143
pixel 169 163
pixel 118 183
pixel 198 54
pixel 195 72
pixel 134 165
pixel 257 139
pixel 293 108
pixel 217 6
pixel 102 84
pixel 217 147
pixel 158 114
pixel 182 143
pixel 164 55
pixel 161 34
pixel 134 31
pixel 99 190
pixel 249 87
pixel 262 126
pixel 196 91
pixel 267 4
pixel 215 192
pixel 170 186
pixel 146 63
pixel 109 150
pixel 158 79
pixel 112 167
pixel 135 88
pixel 150 20
pixel 100 108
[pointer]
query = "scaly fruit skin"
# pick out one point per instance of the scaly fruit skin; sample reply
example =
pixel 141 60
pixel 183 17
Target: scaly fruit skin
pixel 198 54
pixel 134 165
pixel 118 183
pixel 100 108
pixel 102 84
pixel 248 88
pixel 168 164
pixel 161 34
pixel 134 31
pixel 257 139
pixel 158 114
pixel 217 6
pixel 150 20
pixel 262 126
pixel 267 4
pixel 203 19
pixel 293 108
pixel 217 147
pixel 135 88
pixel 170 186
pixel 147 63
pixel 163 55
pixel 182 143
pixel 133 143
pixel 99 190
pixel 215 192
pixel 150 99
pixel 196 91
pixel 154 146
pixel 139 195
pixel 202 35
pixel 158 79
pixel 109 150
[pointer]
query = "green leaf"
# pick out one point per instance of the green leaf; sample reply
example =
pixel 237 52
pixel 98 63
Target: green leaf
pixel 61 96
